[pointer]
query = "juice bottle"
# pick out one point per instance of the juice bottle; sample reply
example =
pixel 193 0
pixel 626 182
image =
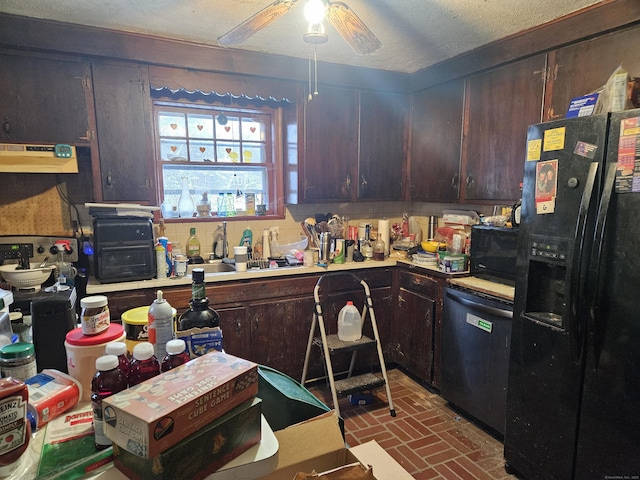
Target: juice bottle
pixel 107 381
pixel 144 364
pixel 119 349
pixel 176 355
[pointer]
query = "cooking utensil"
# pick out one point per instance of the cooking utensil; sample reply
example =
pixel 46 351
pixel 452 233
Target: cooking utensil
pixel 44 262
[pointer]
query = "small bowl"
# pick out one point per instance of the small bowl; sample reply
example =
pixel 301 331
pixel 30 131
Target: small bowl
pixel 26 279
pixel 431 246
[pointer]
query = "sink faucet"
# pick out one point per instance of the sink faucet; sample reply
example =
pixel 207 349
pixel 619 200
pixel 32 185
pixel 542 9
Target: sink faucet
pixel 224 240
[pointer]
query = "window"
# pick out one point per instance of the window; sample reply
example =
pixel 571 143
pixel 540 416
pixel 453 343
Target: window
pixel 227 155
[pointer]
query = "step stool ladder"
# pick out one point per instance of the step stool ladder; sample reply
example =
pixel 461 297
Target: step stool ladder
pixel 331 344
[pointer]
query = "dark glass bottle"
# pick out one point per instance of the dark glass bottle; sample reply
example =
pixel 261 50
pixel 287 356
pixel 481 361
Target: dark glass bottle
pixel 107 381
pixel 144 364
pixel 176 355
pixel 199 315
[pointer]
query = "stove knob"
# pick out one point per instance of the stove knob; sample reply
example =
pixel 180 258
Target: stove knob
pixel 40 249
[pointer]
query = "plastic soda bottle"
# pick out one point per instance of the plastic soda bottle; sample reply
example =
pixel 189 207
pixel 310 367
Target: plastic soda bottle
pixel 144 364
pixel 107 381
pixel 176 355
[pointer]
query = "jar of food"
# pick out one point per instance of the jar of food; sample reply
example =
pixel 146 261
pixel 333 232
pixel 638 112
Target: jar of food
pixel 95 316
pixel 18 360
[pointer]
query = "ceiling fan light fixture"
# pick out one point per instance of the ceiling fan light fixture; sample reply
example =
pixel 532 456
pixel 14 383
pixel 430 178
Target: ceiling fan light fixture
pixel 315 34
pixel 314 11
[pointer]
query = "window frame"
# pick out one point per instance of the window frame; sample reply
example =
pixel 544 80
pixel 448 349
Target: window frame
pixel 273 147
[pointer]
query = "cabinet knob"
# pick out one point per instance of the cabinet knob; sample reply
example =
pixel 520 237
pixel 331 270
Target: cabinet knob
pixel 469 181
pixel 363 183
pixel 6 127
pixel 238 327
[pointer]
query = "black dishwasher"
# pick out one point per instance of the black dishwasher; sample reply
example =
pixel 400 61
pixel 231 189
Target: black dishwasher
pixel 476 337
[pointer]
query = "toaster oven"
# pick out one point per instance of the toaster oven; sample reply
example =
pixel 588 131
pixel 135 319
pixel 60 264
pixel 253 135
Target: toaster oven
pixel 123 249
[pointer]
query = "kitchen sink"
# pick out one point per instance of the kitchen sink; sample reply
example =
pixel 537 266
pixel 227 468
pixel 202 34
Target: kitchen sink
pixel 212 267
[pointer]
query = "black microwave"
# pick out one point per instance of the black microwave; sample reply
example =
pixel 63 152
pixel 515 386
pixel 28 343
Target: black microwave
pixel 123 249
pixel 494 251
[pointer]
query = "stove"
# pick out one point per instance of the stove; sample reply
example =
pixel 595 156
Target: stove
pixel 37 247
pixel 50 311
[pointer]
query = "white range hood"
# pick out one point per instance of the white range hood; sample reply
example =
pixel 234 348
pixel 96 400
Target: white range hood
pixel 34 158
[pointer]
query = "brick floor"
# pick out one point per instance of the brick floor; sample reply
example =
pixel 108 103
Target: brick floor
pixel 429 439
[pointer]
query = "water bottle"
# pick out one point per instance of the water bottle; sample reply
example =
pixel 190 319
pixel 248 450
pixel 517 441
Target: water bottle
pixel 349 323
pixel 119 349
pixel 144 364
pixel 160 318
pixel 107 381
pixel 176 355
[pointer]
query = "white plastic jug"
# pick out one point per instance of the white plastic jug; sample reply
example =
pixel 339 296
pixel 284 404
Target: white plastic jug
pixel 349 323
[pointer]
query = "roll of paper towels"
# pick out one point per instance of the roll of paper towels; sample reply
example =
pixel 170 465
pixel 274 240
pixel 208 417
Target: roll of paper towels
pixel 383 231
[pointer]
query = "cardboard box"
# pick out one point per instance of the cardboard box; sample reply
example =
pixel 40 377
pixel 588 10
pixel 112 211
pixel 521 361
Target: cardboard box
pixel 317 445
pixel 156 414
pixel 201 453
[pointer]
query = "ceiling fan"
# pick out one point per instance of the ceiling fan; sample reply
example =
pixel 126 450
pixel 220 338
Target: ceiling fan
pixel 339 15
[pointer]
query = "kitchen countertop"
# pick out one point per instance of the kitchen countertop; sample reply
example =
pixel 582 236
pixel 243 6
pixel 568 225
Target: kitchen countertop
pixel 94 287
pixel 499 290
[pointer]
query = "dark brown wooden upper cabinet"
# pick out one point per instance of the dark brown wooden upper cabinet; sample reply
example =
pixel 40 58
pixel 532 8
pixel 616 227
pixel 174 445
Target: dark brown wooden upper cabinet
pixel 585 67
pixel 382 145
pixel 124 124
pixel 330 146
pixel 499 106
pixel 436 136
pixel 44 100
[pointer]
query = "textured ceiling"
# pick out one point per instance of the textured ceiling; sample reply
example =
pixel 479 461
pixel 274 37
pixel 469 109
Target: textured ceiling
pixel 414 33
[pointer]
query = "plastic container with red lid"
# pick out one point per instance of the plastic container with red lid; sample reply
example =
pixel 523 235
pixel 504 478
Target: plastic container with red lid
pixel 83 350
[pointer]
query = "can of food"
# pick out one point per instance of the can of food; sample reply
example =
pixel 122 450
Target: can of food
pixel 51 393
pixel 95 316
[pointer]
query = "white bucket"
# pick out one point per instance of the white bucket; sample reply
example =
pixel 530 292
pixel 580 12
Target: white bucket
pixel 83 350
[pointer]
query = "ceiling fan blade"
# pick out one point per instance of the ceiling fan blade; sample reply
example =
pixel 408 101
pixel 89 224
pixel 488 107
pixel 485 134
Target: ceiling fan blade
pixel 255 23
pixel 352 29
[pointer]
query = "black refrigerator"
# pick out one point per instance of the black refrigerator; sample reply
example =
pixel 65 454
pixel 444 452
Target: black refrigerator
pixel 573 399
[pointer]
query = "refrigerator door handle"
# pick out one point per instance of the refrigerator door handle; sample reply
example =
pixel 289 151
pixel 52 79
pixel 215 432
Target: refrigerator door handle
pixel 575 323
pixel 499 312
pixel 596 328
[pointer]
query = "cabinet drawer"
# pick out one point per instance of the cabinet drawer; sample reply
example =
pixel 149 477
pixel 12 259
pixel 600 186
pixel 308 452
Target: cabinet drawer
pixel 418 283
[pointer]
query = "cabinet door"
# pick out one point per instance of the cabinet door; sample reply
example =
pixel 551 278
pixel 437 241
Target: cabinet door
pixel 414 325
pixel 436 136
pixel 330 145
pixel 44 100
pixel 123 118
pixel 585 67
pixel 235 331
pixel 381 159
pixel 120 302
pixel 500 105
pixel 279 333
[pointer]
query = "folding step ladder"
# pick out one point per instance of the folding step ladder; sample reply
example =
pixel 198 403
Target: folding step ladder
pixel 331 344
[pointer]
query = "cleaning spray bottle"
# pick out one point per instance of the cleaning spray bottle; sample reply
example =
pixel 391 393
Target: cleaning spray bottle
pixel 246 240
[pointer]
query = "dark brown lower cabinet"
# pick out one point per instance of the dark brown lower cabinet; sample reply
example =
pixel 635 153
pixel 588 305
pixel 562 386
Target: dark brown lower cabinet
pixel 418 325
pixel 268 320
